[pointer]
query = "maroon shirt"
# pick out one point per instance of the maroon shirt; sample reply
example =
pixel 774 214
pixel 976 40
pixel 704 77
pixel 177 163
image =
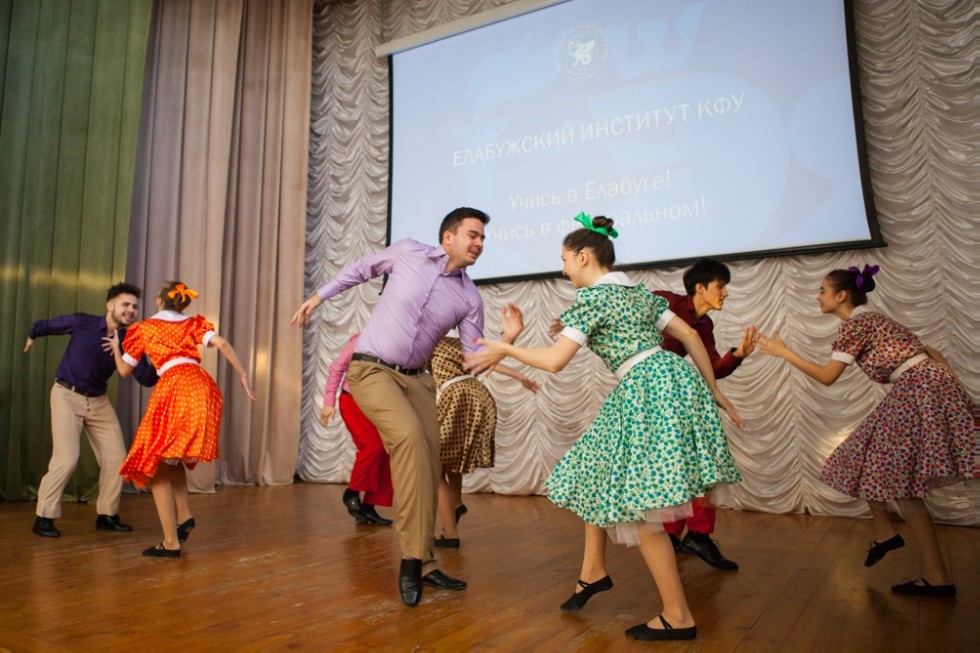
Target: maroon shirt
pixel 683 307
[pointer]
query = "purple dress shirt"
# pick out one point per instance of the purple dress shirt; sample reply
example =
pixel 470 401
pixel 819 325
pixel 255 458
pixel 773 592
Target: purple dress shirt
pixel 420 303
pixel 85 364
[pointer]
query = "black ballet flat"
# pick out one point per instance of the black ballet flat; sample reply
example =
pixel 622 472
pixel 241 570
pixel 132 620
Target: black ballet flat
pixel 915 588
pixel 648 634
pixel 877 550
pixel 159 551
pixel 447 542
pixel 183 530
pixel 578 600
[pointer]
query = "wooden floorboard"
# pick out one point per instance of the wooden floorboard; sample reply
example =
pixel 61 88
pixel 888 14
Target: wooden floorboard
pixel 285 568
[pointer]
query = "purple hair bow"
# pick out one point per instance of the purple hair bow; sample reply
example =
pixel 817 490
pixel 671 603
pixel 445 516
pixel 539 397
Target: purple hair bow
pixel 861 275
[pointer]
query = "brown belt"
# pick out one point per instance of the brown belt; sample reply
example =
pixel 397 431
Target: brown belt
pixel 74 388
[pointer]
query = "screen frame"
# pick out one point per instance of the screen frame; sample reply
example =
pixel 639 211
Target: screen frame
pixel 874 241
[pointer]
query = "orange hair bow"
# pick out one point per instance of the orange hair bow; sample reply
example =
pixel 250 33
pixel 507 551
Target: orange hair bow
pixel 183 291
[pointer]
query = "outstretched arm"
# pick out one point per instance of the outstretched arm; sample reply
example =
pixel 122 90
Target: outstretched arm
pixel 514 374
pixel 826 374
pixel 550 359
pixel 229 352
pixel 688 337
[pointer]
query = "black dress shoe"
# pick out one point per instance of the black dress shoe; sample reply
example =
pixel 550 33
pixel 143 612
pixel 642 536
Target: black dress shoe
pixel 668 632
pixel 184 530
pixel 159 552
pixel 460 511
pixel 354 507
pixel 372 517
pixel 877 550
pixel 44 527
pixel 677 544
pixel 578 600
pixel 447 542
pixel 410 581
pixel 111 523
pixel 701 545
pixel 923 588
pixel 441 581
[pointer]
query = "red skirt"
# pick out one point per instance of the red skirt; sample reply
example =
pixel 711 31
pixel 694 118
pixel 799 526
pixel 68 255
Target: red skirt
pixel 182 422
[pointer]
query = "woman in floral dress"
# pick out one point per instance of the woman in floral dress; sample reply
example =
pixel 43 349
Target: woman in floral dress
pixel 920 436
pixel 657 442
pixel 180 426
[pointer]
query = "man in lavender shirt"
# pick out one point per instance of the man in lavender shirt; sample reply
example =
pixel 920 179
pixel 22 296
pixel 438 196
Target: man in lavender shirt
pixel 427 294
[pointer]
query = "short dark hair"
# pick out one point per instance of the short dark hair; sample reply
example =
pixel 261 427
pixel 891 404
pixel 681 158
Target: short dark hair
pixel 453 219
pixel 123 288
pixel 703 272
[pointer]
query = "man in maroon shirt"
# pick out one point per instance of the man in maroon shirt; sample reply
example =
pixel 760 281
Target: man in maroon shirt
pixel 706 284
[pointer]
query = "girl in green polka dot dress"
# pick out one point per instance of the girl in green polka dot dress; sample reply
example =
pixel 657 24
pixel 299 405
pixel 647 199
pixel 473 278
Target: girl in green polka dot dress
pixel 657 442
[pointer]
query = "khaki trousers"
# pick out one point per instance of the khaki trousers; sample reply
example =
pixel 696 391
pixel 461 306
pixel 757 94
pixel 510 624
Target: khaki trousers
pixel 70 413
pixel 403 408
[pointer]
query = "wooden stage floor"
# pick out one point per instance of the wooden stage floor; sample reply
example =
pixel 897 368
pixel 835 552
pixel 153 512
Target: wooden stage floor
pixel 285 568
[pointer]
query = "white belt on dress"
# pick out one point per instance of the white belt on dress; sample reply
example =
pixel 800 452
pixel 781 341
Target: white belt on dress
pixel 448 382
pixel 633 360
pixel 174 362
pixel 904 367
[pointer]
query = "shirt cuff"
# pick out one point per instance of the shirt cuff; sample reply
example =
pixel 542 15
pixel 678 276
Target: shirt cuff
pixel 130 360
pixel 842 356
pixel 665 317
pixel 575 335
pixel 207 337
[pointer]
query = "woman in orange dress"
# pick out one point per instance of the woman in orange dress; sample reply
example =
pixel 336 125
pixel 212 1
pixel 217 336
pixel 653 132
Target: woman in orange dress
pixel 180 426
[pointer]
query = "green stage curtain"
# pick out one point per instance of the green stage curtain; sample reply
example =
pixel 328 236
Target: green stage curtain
pixel 71 80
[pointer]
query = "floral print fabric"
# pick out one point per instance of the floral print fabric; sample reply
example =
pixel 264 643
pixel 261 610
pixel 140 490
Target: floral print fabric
pixel 920 436
pixel 658 440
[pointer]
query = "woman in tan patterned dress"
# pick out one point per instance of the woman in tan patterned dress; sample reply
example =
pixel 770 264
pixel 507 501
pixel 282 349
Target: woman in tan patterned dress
pixel 467 423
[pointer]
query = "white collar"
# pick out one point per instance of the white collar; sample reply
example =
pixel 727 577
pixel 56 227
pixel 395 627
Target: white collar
pixel 615 279
pixel 170 316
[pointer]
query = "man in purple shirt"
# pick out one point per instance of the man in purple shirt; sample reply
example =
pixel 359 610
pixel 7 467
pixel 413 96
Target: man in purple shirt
pixel 78 400
pixel 706 284
pixel 427 294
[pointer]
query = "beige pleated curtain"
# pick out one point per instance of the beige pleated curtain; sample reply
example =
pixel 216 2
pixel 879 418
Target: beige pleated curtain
pixel 219 203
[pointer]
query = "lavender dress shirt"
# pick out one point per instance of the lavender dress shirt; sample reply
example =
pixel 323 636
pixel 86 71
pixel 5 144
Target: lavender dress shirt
pixel 420 303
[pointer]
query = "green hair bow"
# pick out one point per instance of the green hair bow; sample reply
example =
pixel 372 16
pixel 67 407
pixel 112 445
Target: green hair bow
pixel 586 221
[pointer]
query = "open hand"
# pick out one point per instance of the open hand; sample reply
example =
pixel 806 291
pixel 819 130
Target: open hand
pixel 747 346
pixel 247 388
pixel 327 414
pixel 302 315
pixel 511 322
pixel 484 359
pixel 110 342
pixel 772 345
